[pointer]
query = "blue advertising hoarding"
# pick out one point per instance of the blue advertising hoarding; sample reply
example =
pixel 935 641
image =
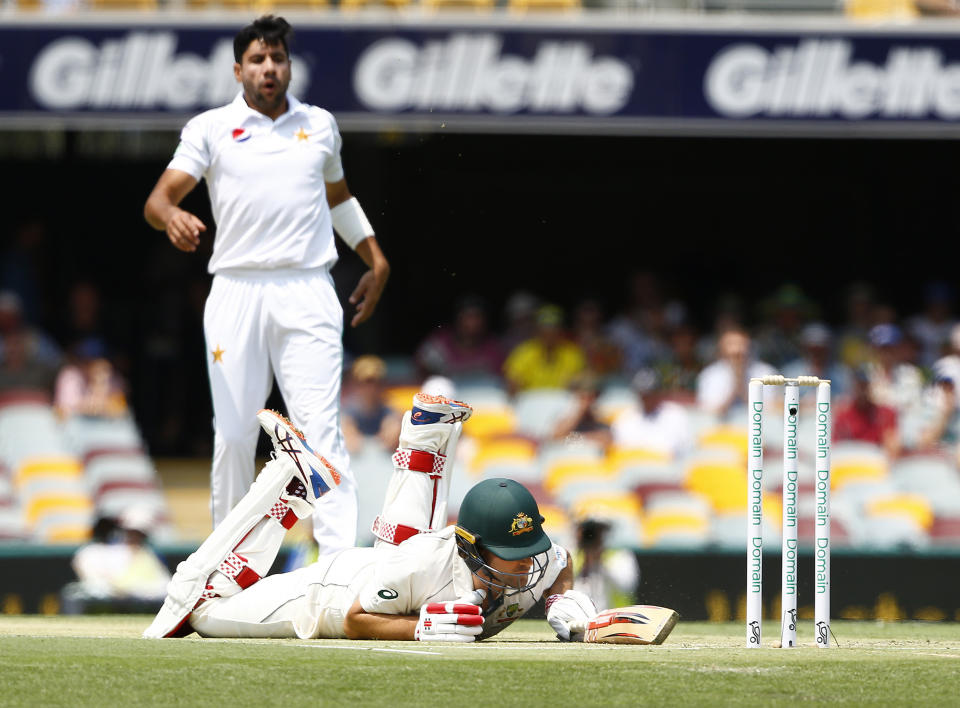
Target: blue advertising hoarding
pixel 502 76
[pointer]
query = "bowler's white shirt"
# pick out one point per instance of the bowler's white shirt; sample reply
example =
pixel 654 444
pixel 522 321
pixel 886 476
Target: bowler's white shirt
pixel 267 183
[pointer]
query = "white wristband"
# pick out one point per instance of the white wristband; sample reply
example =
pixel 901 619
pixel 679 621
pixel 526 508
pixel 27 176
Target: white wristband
pixel 350 222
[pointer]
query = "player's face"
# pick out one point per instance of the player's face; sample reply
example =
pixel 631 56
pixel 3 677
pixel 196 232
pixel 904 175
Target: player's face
pixel 513 574
pixel 264 71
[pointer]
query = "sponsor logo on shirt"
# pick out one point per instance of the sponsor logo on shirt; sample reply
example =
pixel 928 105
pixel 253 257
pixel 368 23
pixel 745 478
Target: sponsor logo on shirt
pixel 387 594
pixel 240 135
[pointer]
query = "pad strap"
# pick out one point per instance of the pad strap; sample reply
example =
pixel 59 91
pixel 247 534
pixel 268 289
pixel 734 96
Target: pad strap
pixel 392 533
pixel 235 567
pixel 420 461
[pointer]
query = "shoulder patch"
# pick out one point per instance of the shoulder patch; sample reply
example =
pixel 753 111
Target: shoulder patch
pixel 387 594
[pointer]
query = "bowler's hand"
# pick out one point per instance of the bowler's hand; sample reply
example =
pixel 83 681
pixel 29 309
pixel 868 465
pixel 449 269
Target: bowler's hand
pixel 366 296
pixel 183 230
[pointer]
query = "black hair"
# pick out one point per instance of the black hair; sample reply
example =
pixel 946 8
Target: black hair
pixel 268 29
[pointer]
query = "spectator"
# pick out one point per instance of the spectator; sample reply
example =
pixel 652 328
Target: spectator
pixel 440 386
pixel 779 338
pixel 863 418
pixel 931 328
pixel 90 386
pixel 84 313
pixel 609 577
pixel 853 341
pixel 22 266
pixel 894 382
pixel 637 331
pixel 118 567
pixel 817 360
pixel 655 422
pixel 20 370
pixel 583 421
pixel 941 431
pixel 728 314
pixel 548 360
pixel 680 369
pixel 521 319
pixel 366 416
pixel 465 349
pixel 40 346
pixel 603 356
pixel 722 385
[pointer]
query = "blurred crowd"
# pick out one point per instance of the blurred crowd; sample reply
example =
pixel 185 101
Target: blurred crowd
pixel 893 375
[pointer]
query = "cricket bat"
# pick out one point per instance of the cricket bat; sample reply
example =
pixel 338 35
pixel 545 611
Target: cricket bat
pixel 635 624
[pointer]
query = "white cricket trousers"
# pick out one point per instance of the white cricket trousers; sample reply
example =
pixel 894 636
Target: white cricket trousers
pixel 285 323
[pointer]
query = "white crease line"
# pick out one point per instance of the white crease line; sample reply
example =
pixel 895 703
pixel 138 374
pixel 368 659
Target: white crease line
pixel 383 649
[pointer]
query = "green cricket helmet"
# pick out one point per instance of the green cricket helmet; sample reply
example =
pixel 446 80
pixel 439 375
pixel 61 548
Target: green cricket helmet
pixel 502 517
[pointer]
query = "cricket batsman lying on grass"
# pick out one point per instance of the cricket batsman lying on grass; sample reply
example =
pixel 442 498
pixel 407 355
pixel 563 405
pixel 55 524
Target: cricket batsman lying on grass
pixel 419 582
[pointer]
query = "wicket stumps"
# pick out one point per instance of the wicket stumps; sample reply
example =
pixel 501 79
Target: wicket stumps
pixel 790 496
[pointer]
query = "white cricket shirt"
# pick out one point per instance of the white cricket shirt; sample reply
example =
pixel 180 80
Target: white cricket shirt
pixel 267 183
pixel 428 568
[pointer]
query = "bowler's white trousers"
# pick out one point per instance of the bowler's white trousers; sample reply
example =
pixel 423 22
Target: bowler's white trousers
pixel 285 323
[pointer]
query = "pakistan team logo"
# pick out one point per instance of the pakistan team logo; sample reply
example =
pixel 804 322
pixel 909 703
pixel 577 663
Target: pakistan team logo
pixel 521 524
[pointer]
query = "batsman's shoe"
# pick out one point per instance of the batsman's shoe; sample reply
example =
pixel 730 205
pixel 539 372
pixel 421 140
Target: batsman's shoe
pixel 318 475
pixel 240 550
pixel 438 409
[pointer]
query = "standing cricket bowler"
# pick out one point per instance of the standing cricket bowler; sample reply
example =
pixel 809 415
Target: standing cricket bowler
pixel 422 580
pixel 277 190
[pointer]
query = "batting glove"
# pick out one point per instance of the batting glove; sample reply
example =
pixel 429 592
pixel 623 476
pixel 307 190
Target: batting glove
pixel 563 610
pixel 449 622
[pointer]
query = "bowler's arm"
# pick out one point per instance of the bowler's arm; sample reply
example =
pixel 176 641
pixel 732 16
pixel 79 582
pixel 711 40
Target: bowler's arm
pixel 370 288
pixel 360 624
pixel 163 213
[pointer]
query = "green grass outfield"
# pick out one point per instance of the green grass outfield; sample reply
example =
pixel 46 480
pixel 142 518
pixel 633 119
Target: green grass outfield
pixel 101 661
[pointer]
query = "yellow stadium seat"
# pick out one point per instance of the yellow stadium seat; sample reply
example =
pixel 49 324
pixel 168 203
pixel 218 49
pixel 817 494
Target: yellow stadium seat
pixel 55 500
pixel 478 5
pixel 554 516
pixel 267 5
pixel 620 457
pixel 910 506
pixel 606 505
pixel 355 4
pixel 658 525
pixel 564 472
pixel 491 422
pixel 400 398
pixel 725 485
pixel 123 4
pixel 881 9
pixel 72 533
pixel 39 506
pixel 46 467
pixel 543 5
pixel 507 451
pixel 725 437
pixel 844 472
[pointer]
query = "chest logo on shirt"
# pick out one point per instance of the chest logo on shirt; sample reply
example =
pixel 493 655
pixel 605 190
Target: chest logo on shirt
pixel 240 135
pixel 521 524
pixel 387 594
pixel 301 135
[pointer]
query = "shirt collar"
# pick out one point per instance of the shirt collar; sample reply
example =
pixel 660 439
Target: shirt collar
pixel 294 105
